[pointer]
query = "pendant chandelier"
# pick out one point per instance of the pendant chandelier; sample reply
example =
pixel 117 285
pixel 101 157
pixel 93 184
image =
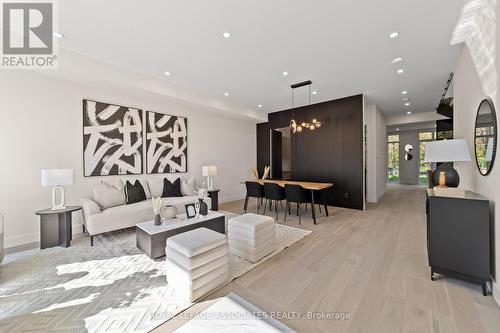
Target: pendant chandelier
pixel 311 125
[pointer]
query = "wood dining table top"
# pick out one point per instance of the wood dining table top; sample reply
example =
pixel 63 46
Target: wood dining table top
pixel 281 182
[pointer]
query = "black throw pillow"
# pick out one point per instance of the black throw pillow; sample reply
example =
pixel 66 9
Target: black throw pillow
pixel 134 193
pixel 171 189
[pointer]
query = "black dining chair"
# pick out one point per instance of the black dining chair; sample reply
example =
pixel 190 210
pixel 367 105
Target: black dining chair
pixel 254 190
pixel 296 194
pixel 320 198
pixel 275 193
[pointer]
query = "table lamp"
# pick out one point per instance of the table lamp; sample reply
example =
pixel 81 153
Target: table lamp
pixel 57 178
pixel 446 151
pixel 209 171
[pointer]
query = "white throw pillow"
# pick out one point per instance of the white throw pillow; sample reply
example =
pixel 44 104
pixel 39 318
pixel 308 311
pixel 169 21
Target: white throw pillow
pixel 155 187
pixel 188 186
pixel 108 195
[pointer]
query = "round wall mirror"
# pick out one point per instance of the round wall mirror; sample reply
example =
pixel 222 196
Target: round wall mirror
pixel 485 136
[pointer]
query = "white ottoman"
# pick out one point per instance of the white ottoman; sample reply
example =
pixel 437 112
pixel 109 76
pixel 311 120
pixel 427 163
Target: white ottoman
pixel 197 262
pixel 251 236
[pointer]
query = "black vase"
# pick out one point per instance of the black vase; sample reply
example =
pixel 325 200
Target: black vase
pixel 452 179
pixel 203 207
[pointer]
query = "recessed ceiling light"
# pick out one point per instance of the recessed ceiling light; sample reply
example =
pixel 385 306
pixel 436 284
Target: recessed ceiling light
pixel 406 99
pixel 396 60
pixel 226 94
pixel 408 112
pixel 226 35
pixel 285 73
pixel 167 73
pixel 58 35
pixel 260 105
pixel 314 92
pixel 397 129
pixel 394 34
pixel 404 92
pixel 400 71
pixel 407 104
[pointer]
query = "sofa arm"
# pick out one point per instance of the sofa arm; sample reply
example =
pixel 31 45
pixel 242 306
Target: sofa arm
pixel 89 207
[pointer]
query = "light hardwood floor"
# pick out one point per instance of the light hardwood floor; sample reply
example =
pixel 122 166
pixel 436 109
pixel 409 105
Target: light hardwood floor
pixel 371 264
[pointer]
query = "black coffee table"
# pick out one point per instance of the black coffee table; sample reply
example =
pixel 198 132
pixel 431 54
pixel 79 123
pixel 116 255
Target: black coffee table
pixel 152 239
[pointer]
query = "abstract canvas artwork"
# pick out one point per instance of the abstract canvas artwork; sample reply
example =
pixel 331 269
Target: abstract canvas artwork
pixel 166 143
pixel 112 139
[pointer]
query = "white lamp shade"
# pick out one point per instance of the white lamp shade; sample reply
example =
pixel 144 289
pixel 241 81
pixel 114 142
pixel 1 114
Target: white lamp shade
pixel 58 177
pixel 447 151
pixel 209 170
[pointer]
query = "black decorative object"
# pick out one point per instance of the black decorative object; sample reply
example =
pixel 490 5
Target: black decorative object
pixel 166 143
pixel 171 189
pixel 452 179
pixel 485 137
pixel 112 139
pixel 134 193
pixel 190 210
pixel 203 207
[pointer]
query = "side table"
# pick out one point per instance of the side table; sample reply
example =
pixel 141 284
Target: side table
pixel 55 226
pixel 213 194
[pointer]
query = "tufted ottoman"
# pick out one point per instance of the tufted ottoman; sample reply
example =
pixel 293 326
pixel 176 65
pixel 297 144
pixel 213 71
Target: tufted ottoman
pixel 251 236
pixel 197 262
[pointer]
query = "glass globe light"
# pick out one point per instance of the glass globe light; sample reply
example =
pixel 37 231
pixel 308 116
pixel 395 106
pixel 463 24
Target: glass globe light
pixel 312 127
pixel 299 128
pixel 318 124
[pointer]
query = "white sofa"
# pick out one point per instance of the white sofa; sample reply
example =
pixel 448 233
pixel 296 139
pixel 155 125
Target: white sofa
pixel 99 219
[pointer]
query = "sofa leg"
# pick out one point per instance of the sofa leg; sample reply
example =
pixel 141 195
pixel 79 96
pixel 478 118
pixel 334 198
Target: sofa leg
pixel 91 240
pixel 83 227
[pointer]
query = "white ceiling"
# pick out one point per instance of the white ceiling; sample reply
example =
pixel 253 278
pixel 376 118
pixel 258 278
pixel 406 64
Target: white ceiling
pixel 341 45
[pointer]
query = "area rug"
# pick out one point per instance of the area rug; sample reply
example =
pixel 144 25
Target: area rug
pixel 110 287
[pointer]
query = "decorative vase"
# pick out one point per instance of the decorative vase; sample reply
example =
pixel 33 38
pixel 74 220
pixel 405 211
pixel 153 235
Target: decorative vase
pixel 157 219
pixel 203 207
pixel 168 212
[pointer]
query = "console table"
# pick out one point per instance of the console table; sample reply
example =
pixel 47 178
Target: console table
pixel 55 226
pixel 458 237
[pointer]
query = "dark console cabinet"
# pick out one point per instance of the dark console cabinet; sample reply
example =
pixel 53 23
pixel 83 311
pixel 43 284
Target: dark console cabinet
pixel 458 237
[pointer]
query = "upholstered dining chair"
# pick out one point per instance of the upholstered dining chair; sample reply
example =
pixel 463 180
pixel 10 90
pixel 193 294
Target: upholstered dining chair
pixel 275 193
pixel 254 190
pixel 296 194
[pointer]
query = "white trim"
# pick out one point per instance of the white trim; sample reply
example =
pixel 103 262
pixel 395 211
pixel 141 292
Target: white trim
pixel 495 293
pixel 231 198
pixel 35 237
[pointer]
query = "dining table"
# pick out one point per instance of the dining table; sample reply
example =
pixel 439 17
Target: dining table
pixel 311 186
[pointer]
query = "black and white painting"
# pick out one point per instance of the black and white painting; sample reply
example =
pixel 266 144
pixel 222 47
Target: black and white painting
pixel 112 139
pixel 166 143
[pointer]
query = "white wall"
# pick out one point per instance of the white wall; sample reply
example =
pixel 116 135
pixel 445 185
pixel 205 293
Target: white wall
pixel 376 160
pixel 469 91
pixel 41 127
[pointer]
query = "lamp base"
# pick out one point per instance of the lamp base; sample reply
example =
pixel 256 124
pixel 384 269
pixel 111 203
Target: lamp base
pixel 58 205
pixel 445 176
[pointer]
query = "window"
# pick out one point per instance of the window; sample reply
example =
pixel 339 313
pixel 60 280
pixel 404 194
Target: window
pixel 424 137
pixel 393 158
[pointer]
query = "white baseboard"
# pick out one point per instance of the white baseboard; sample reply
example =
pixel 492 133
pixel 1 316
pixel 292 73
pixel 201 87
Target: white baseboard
pixel 34 237
pixel 232 198
pixel 496 292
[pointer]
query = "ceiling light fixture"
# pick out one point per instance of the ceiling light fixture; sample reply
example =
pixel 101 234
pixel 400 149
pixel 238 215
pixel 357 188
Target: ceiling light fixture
pixel 396 60
pixel 406 99
pixel 226 35
pixel 260 105
pixel 167 73
pixel 407 104
pixel 408 112
pixel 314 123
pixel 400 71
pixel 314 92
pixel 226 94
pixel 285 73
pixel 394 34
pixel 58 35
pixel 397 129
pixel 404 92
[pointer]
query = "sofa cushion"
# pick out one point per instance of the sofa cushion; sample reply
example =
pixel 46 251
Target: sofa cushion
pixel 171 189
pixel 155 186
pixel 188 185
pixel 195 242
pixel 134 193
pixel 108 195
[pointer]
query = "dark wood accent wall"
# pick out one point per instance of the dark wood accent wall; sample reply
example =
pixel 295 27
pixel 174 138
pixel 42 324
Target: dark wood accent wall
pixel 332 153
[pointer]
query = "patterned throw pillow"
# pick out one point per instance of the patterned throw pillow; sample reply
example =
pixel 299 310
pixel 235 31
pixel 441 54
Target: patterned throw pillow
pixel 134 193
pixel 171 189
